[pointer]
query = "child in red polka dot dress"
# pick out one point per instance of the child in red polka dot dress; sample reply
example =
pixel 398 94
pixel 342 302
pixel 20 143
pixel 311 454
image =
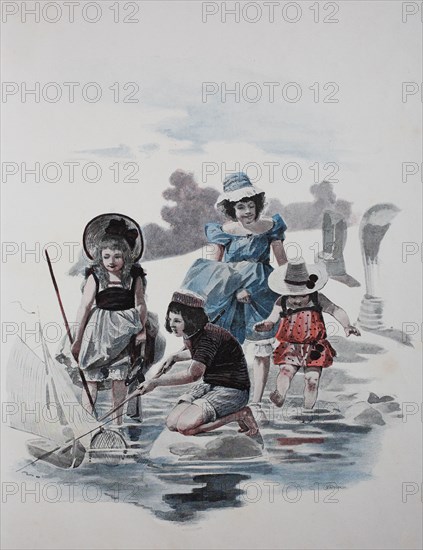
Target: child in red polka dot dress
pixel 302 333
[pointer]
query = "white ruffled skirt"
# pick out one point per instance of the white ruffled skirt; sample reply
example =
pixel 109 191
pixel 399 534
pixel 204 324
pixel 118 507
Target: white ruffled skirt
pixel 104 351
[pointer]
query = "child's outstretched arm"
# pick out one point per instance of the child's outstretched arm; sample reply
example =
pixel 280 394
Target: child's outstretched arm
pixel 141 306
pixel 270 322
pixel 339 314
pixel 181 355
pixel 84 309
pixel 193 373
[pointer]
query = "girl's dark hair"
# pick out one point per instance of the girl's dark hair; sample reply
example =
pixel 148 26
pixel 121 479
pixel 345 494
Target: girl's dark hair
pixel 228 207
pixel 195 318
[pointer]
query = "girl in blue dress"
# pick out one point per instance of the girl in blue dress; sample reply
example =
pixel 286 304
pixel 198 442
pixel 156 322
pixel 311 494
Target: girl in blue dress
pixel 234 273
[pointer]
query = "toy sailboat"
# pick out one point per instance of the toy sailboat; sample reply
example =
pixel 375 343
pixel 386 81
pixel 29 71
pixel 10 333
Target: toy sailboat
pixel 47 407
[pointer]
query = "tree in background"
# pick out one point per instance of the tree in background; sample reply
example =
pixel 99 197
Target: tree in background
pixel 193 207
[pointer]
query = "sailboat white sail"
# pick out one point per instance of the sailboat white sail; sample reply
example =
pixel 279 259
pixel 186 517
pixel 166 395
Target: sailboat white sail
pixel 46 403
pixel 77 418
pixel 29 387
pixel 48 407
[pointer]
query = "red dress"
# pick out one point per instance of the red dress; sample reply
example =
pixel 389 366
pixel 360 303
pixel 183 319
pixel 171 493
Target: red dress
pixel 302 337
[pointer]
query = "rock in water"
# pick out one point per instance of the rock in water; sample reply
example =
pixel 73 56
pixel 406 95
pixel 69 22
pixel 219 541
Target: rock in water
pixel 223 446
pixel 364 414
pixel 232 446
pixel 343 397
pixel 373 398
pixel 184 449
pixel 389 407
pixel 370 417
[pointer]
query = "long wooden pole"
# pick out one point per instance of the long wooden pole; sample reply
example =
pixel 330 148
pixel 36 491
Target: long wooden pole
pixel 80 371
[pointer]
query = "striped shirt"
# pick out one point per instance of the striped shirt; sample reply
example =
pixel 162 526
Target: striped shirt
pixel 222 356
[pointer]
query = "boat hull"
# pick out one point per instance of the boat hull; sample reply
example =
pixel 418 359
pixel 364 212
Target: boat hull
pixel 46 450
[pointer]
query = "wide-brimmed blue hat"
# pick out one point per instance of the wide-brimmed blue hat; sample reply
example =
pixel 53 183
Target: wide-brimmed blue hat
pixel 237 186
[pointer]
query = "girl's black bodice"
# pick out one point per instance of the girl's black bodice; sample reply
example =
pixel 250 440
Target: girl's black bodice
pixel 117 298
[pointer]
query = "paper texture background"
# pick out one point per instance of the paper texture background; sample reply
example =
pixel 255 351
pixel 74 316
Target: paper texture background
pixel 185 58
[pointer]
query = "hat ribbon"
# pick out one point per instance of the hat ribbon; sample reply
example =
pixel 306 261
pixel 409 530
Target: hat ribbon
pixel 310 283
pixel 119 228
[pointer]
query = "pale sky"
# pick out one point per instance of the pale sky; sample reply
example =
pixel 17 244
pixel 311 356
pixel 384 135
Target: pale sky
pixel 170 54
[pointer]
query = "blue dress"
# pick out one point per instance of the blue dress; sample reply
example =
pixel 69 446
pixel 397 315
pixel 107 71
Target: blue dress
pixel 245 265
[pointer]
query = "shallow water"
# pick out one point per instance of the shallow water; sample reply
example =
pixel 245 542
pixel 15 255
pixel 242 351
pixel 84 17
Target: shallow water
pixel 321 457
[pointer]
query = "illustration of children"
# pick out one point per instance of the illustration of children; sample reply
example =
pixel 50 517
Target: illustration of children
pixel 217 364
pixel 108 330
pixel 302 333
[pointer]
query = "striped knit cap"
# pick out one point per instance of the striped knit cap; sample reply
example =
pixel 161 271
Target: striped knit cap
pixel 188 299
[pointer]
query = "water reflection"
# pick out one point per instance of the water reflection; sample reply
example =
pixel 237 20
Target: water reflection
pixel 216 491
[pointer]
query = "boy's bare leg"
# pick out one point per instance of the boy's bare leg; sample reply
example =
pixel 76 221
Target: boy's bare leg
pixel 174 415
pixel 244 417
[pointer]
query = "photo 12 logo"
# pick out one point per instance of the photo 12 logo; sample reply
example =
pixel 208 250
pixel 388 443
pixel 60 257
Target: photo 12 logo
pixel 411 90
pixel 35 252
pixel 69 172
pixel 273 171
pixel 270 92
pixel 411 489
pixel 410 12
pixel 70 492
pixel 270 12
pixel 70 12
pixel 410 170
pixel 413 249
pixel 412 411
pixel 69 92
pixel 290 493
